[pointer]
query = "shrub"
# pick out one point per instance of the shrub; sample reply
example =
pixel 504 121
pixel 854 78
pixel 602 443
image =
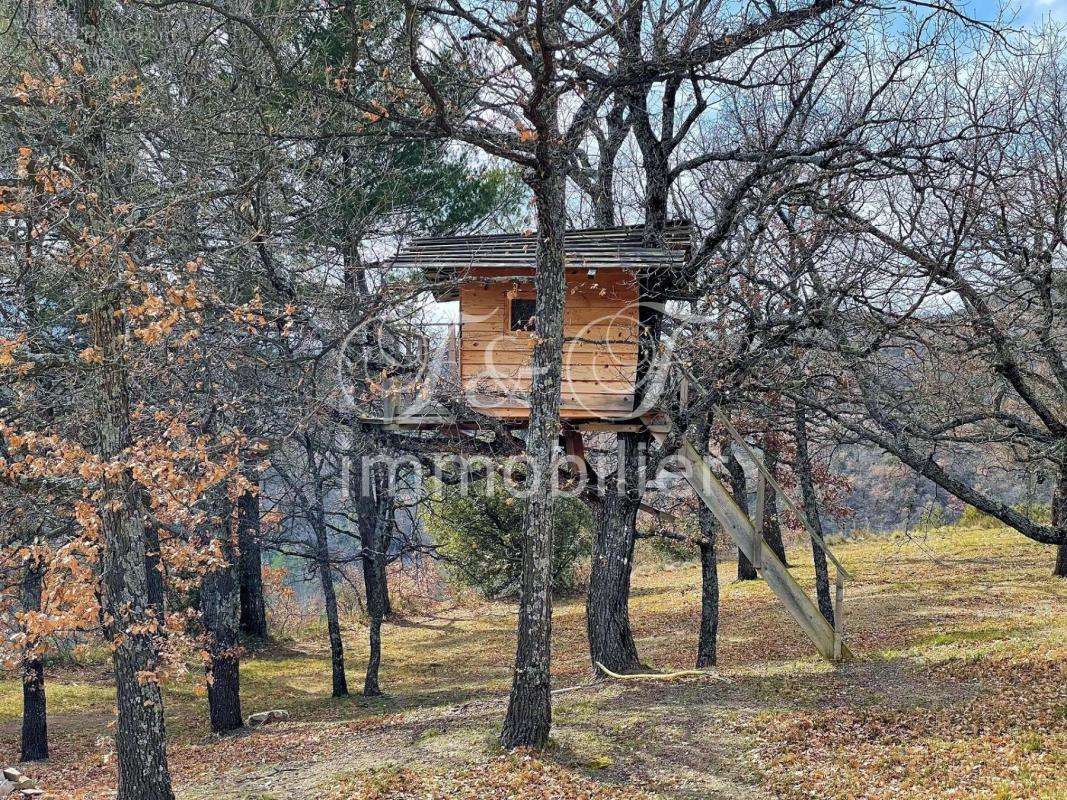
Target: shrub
pixel 479 534
pixel 287 614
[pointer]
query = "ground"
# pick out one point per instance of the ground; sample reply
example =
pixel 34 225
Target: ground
pixel 959 691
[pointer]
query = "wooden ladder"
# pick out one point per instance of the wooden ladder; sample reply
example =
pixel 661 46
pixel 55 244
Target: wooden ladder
pixel 828 639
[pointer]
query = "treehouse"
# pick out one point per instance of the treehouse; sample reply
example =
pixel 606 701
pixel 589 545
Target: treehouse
pixel 492 278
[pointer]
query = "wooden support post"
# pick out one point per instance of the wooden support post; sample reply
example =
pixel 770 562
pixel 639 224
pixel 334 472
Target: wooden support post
pixel 574 447
pixel 388 407
pixel 573 444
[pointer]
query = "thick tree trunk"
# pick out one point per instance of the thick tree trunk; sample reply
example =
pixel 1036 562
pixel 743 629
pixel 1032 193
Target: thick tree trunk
pixel 333 620
pixel 224 693
pixel 140 736
pixel 253 607
pixel 529 715
pixel 611 642
pixel 1059 521
pixel 772 526
pixel 34 745
pixel 746 571
pixel 221 607
pixel 811 511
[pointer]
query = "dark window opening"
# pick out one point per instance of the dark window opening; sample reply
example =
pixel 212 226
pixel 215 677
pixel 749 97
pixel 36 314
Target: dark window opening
pixel 523 314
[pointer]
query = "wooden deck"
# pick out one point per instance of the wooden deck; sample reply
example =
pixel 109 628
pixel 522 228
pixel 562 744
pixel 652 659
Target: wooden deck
pixel 447 423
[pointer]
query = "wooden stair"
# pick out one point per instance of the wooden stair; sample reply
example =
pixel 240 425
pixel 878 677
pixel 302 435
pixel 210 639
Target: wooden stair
pixel 828 639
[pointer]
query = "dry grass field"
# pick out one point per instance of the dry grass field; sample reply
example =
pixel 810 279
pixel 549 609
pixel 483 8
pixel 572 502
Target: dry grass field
pixel 960 691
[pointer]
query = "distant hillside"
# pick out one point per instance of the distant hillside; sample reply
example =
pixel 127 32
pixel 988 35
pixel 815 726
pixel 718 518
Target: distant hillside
pixel 886 495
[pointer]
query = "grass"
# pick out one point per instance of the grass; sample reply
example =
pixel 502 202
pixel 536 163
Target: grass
pixel 959 692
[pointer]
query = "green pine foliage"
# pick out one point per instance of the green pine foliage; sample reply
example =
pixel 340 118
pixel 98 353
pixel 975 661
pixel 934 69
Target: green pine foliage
pixel 479 536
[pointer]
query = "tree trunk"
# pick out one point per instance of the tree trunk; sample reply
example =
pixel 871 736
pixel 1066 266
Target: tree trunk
pixel 611 642
pixel 772 526
pixel 253 607
pixel 333 620
pixel 746 570
pixel 374 527
pixel 34 711
pixel 140 736
pixel 811 511
pixel 383 571
pixel 224 693
pixel 221 607
pixel 374 659
pixel 529 715
pixel 1059 520
pixel 709 566
pixel 709 593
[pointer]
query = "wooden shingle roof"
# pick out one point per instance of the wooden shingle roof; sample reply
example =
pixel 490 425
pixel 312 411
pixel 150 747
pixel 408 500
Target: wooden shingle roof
pixel 443 260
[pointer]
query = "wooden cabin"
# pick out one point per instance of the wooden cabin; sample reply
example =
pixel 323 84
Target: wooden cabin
pixel 492 278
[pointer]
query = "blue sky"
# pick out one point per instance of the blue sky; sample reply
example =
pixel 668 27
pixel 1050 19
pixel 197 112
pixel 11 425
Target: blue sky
pixel 1031 12
pixel 1039 8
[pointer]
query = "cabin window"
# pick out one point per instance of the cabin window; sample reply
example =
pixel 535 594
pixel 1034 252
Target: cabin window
pixel 523 314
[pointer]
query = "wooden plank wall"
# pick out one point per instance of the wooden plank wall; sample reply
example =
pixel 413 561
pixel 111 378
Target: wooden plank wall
pixel 599 348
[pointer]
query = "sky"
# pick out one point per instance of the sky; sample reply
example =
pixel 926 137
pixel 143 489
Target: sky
pixel 1031 12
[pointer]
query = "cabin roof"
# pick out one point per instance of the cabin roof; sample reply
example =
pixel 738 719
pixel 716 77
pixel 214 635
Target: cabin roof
pixel 443 259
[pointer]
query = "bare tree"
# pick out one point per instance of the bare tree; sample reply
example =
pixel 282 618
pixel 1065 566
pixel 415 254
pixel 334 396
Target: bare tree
pixel 956 339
